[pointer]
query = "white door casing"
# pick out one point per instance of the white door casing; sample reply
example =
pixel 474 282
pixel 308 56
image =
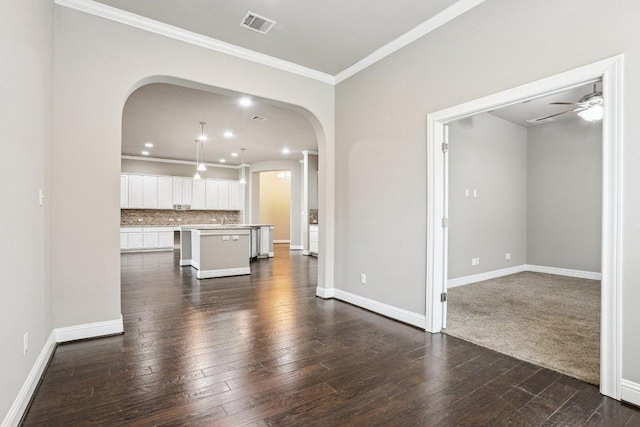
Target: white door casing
pixel 611 72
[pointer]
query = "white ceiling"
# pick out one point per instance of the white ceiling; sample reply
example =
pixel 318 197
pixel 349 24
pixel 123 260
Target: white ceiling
pixel 540 107
pixel 328 36
pixel 168 116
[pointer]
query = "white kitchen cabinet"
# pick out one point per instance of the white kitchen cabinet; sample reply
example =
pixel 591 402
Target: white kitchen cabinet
pixel 234 195
pixel 313 239
pixel 150 239
pixel 134 240
pixel 211 194
pixel 182 188
pixel 124 191
pixel 136 191
pixel 197 201
pixel 124 240
pixel 165 239
pixel 150 192
pixel 223 195
pixel 165 192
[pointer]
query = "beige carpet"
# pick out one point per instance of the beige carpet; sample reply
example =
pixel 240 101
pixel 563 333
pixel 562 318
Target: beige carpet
pixel 551 321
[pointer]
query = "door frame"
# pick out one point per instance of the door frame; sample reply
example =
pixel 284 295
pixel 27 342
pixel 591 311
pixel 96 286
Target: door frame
pixel 611 72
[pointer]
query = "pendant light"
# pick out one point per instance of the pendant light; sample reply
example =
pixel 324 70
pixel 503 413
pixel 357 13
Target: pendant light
pixel 200 166
pixel 242 180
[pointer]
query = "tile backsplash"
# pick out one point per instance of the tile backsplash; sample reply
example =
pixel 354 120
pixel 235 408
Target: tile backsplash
pixel 176 218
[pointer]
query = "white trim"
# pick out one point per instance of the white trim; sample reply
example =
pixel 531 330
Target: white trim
pixel 295 247
pixel 325 293
pixel 272 254
pixel 222 272
pixel 185 262
pixel 177 162
pixel 435 22
pixel 565 272
pixel 281 241
pixel 611 72
pixel 387 310
pixel 153 26
pixel 89 330
pixel 21 401
pixel 474 278
pixel 461 281
pixel 630 392
pixel 305 252
pixel 315 153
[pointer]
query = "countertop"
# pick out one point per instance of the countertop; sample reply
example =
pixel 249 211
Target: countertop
pixel 179 225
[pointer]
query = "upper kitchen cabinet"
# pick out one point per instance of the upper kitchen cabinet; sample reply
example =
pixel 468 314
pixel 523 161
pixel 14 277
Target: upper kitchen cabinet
pixel 165 192
pixel 223 195
pixel 234 196
pixel 182 190
pixel 136 190
pixel 197 201
pixel 124 191
pixel 212 194
pixel 150 192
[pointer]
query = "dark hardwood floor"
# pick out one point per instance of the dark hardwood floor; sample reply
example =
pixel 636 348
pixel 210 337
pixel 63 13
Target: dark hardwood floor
pixel 263 350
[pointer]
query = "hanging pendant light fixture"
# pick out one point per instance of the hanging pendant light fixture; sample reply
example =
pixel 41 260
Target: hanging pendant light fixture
pixel 242 180
pixel 200 166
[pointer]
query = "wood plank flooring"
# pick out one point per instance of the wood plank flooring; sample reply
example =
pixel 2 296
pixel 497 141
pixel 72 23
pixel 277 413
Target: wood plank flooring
pixel 263 350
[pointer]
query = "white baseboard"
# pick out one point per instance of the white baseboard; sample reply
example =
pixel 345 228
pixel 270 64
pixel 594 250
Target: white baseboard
pixel 296 247
pixel 272 254
pixel 460 281
pixel 185 262
pixel 275 242
pixel 324 292
pixel 223 272
pixel 630 392
pixel 565 272
pixel 387 310
pixel 89 330
pixel 305 252
pixel 19 405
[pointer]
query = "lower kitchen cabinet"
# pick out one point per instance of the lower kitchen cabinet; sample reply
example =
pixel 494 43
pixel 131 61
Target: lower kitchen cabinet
pixel 146 238
pixel 313 239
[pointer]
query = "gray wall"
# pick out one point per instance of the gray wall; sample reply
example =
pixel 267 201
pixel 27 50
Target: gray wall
pixel 489 155
pixel 381 126
pixel 564 222
pixel 313 181
pixel 26 85
pixel 174 169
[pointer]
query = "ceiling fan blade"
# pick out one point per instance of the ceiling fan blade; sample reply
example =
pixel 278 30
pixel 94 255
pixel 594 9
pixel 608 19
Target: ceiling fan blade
pixel 539 119
pixel 564 103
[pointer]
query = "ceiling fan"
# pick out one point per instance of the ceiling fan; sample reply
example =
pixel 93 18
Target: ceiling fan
pixel 589 107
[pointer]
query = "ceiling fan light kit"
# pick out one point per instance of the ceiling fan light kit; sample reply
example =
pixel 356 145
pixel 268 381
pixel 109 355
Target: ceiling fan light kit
pixel 589 107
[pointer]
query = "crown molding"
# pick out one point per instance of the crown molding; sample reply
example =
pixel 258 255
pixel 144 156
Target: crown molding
pixel 431 24
pixel 180 162
pixel 98 9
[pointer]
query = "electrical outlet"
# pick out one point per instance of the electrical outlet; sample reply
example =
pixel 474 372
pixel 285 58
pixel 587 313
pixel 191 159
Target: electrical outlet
pixel 475 261
pixel 475 193
pixel 507 256
pixel 363 279
pixel 466 192
pixel 41 197
pixel 25 343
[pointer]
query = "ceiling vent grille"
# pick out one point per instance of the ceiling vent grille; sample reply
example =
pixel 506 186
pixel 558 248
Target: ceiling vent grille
pixel 260 118
pixel 540 121
pixel 257 23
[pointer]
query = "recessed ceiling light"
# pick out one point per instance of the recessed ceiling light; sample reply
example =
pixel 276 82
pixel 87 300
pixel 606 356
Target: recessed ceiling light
pixel 245 101
pixel 223 161
pixel 234 154
pixel 145 153
pixel 285 151
pixel 148 145
pixel 228 134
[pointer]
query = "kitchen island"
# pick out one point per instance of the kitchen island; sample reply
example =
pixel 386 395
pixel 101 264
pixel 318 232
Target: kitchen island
pixel 224 250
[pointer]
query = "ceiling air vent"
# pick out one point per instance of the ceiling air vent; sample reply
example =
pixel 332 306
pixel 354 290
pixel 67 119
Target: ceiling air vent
pixel 257 23
pixel 260 118
pixel 540 121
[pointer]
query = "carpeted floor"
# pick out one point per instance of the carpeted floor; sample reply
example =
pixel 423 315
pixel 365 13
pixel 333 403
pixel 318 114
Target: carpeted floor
pixel 552 321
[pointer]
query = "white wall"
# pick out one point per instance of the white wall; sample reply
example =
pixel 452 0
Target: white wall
pixel 381 126
pixel 296 192
pixel 488 155
pixel 26 85
pixel 98 64
pixel 564 220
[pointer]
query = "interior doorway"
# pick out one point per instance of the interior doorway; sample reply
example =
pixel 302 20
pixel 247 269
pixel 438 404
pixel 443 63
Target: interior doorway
pixel 437 234
pixel 275 203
